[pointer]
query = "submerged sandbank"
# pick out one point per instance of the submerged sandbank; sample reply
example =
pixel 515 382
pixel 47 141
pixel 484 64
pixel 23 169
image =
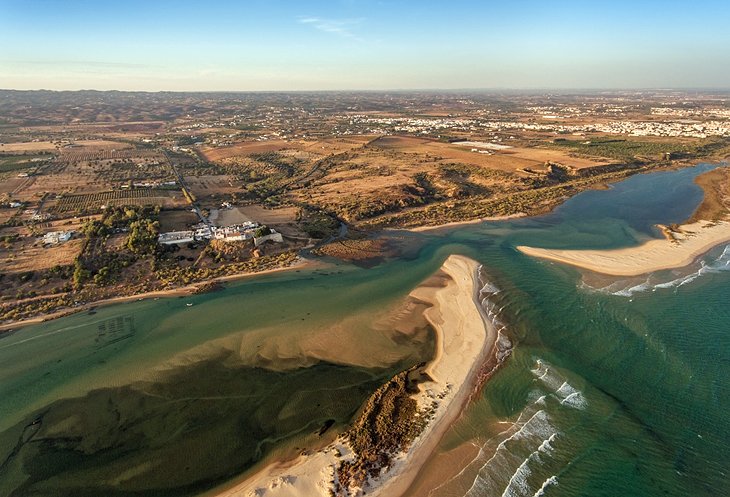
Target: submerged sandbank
pixel 464 340
pixel 679 248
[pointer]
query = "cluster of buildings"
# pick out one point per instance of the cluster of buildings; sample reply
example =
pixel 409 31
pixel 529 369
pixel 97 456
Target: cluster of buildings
pixel 663 128
pixel 233 233
pixel 694 129
pixel 148 184
pixel 691 113
pixel 36 215
pixel 176 237
pixel 412 124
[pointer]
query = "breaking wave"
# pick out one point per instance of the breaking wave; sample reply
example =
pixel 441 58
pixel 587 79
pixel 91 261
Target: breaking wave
pixel 528 442
pixel 553 480
pixel 524 461
pixel 493 311
pixel 622 289
pixel 566 393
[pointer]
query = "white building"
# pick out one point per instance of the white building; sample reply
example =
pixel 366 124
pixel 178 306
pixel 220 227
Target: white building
pixel 176 237
pixel 236 232
pixel 56 237
pixel 273 236
pixel 203 232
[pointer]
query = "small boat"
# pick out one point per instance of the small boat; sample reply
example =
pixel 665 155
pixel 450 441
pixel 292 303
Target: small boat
pixel 189 304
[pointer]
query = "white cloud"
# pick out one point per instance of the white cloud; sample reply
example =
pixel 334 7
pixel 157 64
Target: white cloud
pixel 340 27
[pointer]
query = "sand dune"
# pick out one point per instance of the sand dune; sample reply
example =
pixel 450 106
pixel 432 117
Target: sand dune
pixel 464 341
pixel 686 245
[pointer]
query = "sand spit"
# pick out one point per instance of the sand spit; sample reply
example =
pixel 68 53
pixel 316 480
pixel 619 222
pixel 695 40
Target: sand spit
pixel 464 341
pixel 454 224
pixel 679 248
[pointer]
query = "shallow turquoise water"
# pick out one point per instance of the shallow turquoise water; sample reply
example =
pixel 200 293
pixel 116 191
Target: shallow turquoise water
pixel 622 391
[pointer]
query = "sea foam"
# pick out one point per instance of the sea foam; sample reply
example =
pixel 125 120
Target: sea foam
pixel 566 393
pixel 621 289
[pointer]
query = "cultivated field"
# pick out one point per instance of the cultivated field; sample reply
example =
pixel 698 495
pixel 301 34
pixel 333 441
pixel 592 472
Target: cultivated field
pixel 95 201
pixel 15 163
pixel 11 186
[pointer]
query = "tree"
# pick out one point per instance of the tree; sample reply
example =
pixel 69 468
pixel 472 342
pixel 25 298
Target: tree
pixel 80 275
pixel 262 231
pixel 142 237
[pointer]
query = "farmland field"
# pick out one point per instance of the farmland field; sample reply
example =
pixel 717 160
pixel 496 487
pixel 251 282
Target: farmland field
pixel 95 201
pixel 18 162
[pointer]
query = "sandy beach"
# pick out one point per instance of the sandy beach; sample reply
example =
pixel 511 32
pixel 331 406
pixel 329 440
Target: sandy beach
pixel 421 229
pixel 464 340
pixel 683 247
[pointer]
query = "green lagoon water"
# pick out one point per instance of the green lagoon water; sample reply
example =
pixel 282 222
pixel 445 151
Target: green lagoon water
pixel 614 387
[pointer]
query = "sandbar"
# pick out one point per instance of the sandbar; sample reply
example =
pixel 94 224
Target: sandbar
pixel 679 248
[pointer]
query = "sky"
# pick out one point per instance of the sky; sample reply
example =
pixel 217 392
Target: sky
pixel 211 45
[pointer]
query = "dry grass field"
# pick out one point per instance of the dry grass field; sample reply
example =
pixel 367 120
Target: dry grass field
pixel 336 145
pixel 176 220
pixel 281 215
pixel 6 213
pixel 366 172
pixel 510 159
pixel 30 255
pixel 245 148
pixel 323 147
pixel 11 186
pixel 109 128
pixel 212 185
pixel 282 219
pixel 23 147
pixel 61 182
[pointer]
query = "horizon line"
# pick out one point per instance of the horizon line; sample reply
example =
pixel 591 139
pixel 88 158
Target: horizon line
pixel 384 90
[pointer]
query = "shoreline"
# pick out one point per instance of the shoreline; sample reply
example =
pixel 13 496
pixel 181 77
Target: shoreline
pixel 447 308
pixel 453 224
pixel 182 291
pixel 464 342
pixel 688 242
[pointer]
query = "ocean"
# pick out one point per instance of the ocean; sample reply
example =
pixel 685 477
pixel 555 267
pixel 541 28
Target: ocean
pixel 614 386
